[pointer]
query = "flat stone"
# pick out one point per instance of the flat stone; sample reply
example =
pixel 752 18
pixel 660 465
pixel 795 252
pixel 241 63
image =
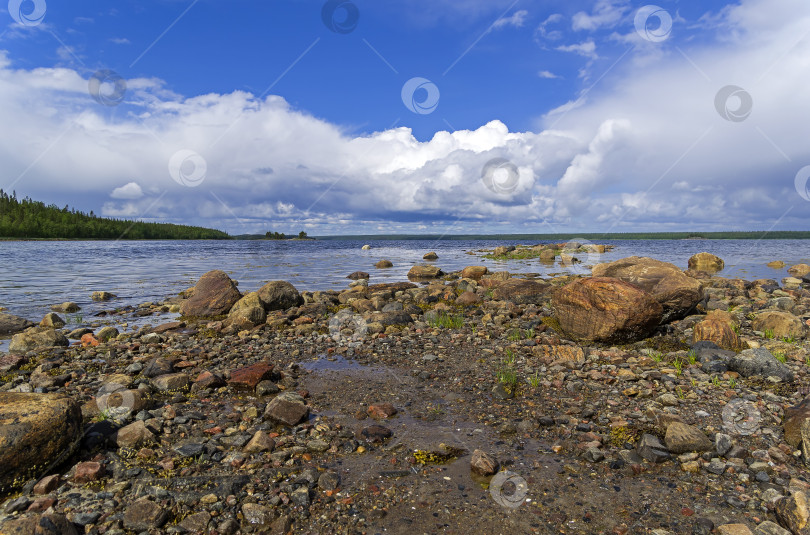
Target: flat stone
pixel 329 481
pixel 47 484
pixel 733 529
pixel 37 338
pixel 133 435
pixel 257 515
pixel 144 515
pixel 172 382
pixel 375 433
pixel 759 361
pixel 287 408
pixel 249 377
pixel 196 523
pixel 681 438
pixel 381 411
pixel 88 471
pixel 770 528
pixel 260 442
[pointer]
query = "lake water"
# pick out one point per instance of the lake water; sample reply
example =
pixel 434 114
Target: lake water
pixel 35 275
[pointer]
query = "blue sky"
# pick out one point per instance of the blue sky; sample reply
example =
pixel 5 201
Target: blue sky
pixel 545 116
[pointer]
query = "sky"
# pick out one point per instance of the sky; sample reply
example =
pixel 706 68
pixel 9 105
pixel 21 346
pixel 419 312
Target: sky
pixel 412 116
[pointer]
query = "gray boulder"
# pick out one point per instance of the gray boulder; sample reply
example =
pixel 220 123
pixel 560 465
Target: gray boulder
pixel 759 361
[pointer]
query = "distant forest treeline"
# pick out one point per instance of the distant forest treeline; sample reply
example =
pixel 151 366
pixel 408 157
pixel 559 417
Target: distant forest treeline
pixel 27 218
pixel 594 237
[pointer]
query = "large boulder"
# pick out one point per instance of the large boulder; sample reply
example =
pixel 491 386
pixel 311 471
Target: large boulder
pixel 761 362
pixel 10 324
pixel 37 338
pixel 676 292
pixel 713 329
pixel 249 308
pixel 799 270
pixel 603 309
pixel 474 272
pixel 521 291
pixel 424 273
pixel 706 262
pixel 782 324
pixel 214 295
pixel 279 295
pixel 794 419
pixel 36 431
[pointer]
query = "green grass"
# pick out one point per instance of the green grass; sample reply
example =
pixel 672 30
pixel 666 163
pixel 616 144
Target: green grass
pixel 447 321
pixel 534 380
pixel 74 319
pixel 716 381
pixel 692 356
pixel 514 335
pixel 768 333
pixel 807 360
pixel 678 366
pixel 507 375
pixel 656 356
pixel 732 383
pixel 511 358
pixel 789 340
pixel 778 355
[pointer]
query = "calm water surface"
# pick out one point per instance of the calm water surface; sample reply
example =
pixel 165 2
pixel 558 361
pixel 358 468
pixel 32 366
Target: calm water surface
pixel 35 275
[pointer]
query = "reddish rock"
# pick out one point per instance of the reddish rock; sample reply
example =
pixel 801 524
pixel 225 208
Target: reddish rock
pixel 89 340
pixel 381 411
pixel 214 295
pixel 11 362
pixel 207 380
pixel 88 471
pixel 47 484
pixel 251 376
pixel 603 309
pixel 42 504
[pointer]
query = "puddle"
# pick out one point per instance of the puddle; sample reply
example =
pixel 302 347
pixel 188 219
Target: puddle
pixel 332 363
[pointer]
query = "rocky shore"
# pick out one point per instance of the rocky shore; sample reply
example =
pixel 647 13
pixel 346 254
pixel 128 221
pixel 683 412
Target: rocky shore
pixel 638 398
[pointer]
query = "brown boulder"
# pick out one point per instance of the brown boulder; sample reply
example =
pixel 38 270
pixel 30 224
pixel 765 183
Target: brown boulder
pixel 214 295
pixel 706 262
pixel 430 256
pixel 468 298
pixel 676 292
pixel 287 408
pixel 249 377
pixel 782 324
pixel 37 338
pixel 474 272
pixel 10 324
pixel 36 430
pixel 383 264
pixel 713 329
pixel 794 418
pixel 799 270
pixel 602 309
pixel 279 295
pixel 521 291
pixel 424 272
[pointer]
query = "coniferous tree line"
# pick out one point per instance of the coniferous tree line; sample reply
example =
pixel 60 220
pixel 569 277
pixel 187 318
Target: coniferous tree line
pixel 27 218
